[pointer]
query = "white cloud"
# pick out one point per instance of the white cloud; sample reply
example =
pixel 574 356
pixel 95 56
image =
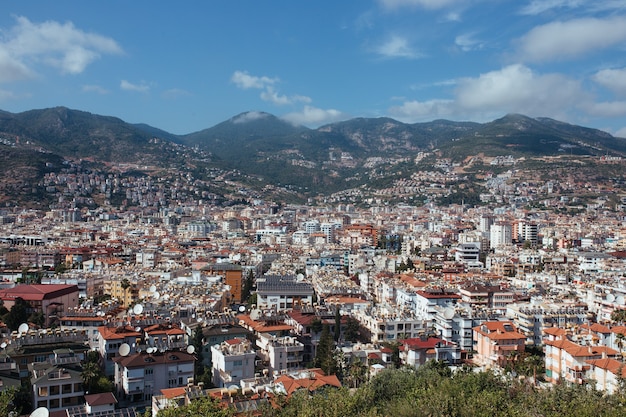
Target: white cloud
pixel 517 88
pixel 426 4
pixel 128 86
pixel 412 111
pixel 513 89
pixel 94 89
pixel 467 42
pixel 561 40
pixel 620 133
pixel 7 95
pixel 245 81
pixel 397 47
pixel 613 79
pixel 280 100
pixel 536 7
pixel 606 108
pixel 312 116
pixel 58 45
pixel 249 117
pixel 11 68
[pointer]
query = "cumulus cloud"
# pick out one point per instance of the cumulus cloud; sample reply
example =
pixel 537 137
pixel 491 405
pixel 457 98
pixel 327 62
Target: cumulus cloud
pixel 512 89
pixel 467 42
pixel 562 40
pixel 621 133
pixel 273 97
pixel 249 117
pixel 51 43
pixel 613 79
pixel 94 89
pixel 606 108
pixel 313 116
pixel 426 4
pixel 128 86
pixel 397 47
pixel 536 7
pixel 245 81
pixel 414 110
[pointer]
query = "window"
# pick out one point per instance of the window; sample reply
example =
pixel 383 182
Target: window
pixel 149 371
pixel 238 363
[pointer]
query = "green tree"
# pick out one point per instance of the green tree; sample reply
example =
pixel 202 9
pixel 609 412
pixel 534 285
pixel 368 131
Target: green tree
pixel 201 407
pixel 248 283
pixel 325 353
pixel 19 313
pixel 7 403
pixel 337 334
pixel 352 330
pixel 90 375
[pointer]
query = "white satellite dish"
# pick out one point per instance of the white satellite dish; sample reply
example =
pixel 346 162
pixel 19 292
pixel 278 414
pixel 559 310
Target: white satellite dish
pixel 166 296
pixel 156 295
pixel 199 319
pixel 138 309
pixel 620 300
pixel 23 328
pixel 137 329
pixel 448 313
pixel 124 350
pixel 242 309
pixel 191 349
pixel 255 314
pixel 610 298
pixel 3 345
pixel 150 350
pixel 40 412
pixel 152 288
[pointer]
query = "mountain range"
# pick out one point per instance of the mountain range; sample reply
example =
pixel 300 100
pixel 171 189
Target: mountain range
pixel 262 146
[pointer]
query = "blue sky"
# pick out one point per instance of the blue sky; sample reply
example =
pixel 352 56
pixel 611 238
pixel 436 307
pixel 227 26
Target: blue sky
pixel 189 66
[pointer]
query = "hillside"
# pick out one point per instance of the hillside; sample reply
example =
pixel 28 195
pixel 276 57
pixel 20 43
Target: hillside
pixel 256 150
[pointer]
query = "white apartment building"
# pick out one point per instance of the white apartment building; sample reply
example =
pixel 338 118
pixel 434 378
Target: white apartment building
pixel 233 360
pixel 500 234
pixel 281 353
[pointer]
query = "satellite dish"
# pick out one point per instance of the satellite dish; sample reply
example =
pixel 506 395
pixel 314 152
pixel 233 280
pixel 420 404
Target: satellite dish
pixel 23 329
pixel 166 296
pixel 124 350
pixel 151 350
pixel 242 309
pixel 138 309
pixel 40 412
pixel 152 288
pixel 3 345
pixel 620 300
pixel 199 319
pixel 255 314
pixel 448 313
pixel 191 349
pixel 610 298
pixel 156 295
pixel 137 329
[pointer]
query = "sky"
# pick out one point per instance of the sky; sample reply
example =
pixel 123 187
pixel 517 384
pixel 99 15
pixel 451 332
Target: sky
pixel 189 66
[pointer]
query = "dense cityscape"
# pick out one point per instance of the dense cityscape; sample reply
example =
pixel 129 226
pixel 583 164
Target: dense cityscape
pixel 170 297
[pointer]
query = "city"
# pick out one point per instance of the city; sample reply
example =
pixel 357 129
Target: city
pixel 171 298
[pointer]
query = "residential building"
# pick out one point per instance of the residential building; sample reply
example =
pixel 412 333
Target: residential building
pixel 233 360
pixel 51 300
pixel 282 292
pixel 138 376
pixel 496 341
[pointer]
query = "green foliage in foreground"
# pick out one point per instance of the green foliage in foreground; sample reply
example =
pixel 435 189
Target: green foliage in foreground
pixel 434 391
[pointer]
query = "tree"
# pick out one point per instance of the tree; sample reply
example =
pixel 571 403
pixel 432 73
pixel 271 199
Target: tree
pixel 248 283
pixel 7 404
pixel 201 407
pixel 18 314
pixel 337 334
pixel 125 284
pixel 352 330
pixel 324 355
pixel 90 375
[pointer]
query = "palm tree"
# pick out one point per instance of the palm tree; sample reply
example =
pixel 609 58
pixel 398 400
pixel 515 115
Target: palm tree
pixel 90 374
